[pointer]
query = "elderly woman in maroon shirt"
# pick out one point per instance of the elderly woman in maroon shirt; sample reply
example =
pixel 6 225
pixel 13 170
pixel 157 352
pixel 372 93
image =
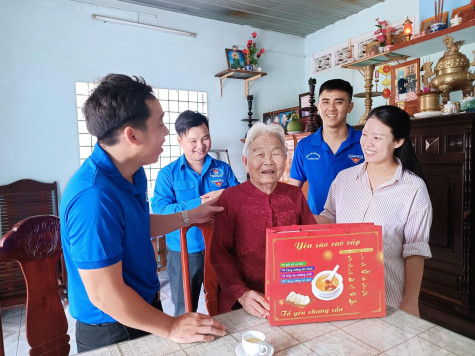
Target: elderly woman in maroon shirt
pixel 239 239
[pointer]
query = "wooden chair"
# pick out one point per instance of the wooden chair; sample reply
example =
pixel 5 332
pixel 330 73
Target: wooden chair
pixel 210 280
pixel 159 244
pixel 20 200
pixel 35 243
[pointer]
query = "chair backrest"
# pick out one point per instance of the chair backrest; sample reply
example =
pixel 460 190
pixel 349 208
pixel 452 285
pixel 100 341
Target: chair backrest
pixel 20 200
pixel 159 244
pixel 35 243
pixel 218 152
pixel 210 280
pixel 25 198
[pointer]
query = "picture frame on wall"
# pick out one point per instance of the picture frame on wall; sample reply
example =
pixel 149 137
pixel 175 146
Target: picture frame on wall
pixel 466 13
pixel 425 24
pixel 399 38
pixel 271 117
pixel 304 104
pixel 235 58
pixel 284 116
pixel 281 117
pixel 372 48
pixel 405 84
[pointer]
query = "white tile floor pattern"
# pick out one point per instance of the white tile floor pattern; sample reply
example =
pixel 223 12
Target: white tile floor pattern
pixel 13 322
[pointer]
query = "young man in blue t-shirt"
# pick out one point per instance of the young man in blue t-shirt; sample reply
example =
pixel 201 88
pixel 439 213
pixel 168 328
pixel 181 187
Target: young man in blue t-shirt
pixel 318 158
pixel 186 183
pixel 113 286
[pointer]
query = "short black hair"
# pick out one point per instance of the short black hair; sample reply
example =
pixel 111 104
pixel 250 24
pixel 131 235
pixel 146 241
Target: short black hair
pixel 188 119
pixel 117 101
pixel 337 84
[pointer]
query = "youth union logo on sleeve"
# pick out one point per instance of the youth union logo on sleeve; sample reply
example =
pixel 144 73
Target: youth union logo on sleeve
pixel 355 158
pixel 312 156
pixel 216 173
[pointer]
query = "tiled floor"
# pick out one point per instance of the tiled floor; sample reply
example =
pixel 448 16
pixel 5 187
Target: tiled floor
pixel 13 322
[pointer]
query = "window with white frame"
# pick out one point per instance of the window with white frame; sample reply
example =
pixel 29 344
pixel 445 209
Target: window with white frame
pixel 173 103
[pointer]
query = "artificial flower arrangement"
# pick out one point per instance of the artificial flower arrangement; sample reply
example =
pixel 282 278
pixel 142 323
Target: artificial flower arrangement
pixel 251 52
pixel 383 33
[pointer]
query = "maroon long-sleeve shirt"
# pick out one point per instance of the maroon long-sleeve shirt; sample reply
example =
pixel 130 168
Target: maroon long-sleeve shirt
pixel 239 239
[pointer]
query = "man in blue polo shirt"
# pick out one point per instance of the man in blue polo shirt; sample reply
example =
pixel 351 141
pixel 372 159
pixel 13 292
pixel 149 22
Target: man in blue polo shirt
pixel 191 180
pixel 335 146
pixel 113 287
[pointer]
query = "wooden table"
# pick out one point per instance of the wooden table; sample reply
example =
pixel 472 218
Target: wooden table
pixel 398 333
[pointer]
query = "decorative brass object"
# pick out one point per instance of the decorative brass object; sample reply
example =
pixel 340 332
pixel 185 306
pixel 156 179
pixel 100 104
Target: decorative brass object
pixel 429 101
pixel 452 71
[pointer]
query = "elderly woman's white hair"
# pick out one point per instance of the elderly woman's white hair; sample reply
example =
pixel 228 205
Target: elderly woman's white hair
pixel 259 129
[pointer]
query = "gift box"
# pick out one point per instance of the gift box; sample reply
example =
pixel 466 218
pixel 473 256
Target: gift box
pixel 299 260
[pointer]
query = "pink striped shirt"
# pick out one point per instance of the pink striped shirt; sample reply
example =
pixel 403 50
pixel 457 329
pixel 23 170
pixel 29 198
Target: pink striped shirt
pixel 401 206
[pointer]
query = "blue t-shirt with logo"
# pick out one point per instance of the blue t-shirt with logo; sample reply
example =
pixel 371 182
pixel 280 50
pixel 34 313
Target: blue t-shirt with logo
pixel 106 219
pixel 178 187
pixel 315 162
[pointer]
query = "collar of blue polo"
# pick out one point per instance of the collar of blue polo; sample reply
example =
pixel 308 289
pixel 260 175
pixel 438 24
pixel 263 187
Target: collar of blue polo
pixel 353 137
pixel 103 162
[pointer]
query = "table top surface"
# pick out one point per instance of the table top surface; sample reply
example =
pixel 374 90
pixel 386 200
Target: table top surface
pixel 398 333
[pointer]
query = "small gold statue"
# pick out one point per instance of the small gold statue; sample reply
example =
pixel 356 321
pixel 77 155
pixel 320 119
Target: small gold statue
pixel 452 71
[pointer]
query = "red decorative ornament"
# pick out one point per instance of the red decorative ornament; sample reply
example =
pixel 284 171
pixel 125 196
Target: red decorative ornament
pixel 386 69
pixel 386 93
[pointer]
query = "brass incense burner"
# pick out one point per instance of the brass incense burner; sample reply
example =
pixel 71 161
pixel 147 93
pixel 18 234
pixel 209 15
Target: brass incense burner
pixel 451 72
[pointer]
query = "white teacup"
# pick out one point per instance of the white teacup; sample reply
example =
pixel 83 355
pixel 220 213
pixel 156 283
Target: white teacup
pixel 252 343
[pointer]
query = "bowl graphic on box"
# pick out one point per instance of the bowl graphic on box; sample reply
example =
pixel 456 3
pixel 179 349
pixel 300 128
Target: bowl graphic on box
pixel 327 290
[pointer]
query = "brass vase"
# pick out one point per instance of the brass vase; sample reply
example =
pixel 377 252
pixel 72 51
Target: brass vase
pixel 429 101
pixel 451 72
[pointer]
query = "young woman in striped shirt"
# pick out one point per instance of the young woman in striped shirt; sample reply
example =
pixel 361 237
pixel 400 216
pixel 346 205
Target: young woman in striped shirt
pixel 388 190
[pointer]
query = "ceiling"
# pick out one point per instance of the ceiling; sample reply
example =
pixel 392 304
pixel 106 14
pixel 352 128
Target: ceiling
pixel 294 17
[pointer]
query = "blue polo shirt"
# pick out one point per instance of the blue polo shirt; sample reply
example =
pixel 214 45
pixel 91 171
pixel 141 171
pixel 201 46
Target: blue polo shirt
pixel 178 187
pixel 105 219
pixel 314 161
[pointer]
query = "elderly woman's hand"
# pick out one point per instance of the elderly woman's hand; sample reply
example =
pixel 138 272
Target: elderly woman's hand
pixel 255 303
pixel 211 195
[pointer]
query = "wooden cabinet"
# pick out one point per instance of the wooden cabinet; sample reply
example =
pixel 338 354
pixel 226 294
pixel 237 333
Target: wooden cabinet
pixel 444 147
pixel 291 142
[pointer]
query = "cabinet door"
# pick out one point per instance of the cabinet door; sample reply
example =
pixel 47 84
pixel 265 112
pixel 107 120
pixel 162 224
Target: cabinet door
pixel 291 142
pixel 443 272
pixel 290 145
pixel 442 152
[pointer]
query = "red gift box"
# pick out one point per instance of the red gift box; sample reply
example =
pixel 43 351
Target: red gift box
pixel 299 260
